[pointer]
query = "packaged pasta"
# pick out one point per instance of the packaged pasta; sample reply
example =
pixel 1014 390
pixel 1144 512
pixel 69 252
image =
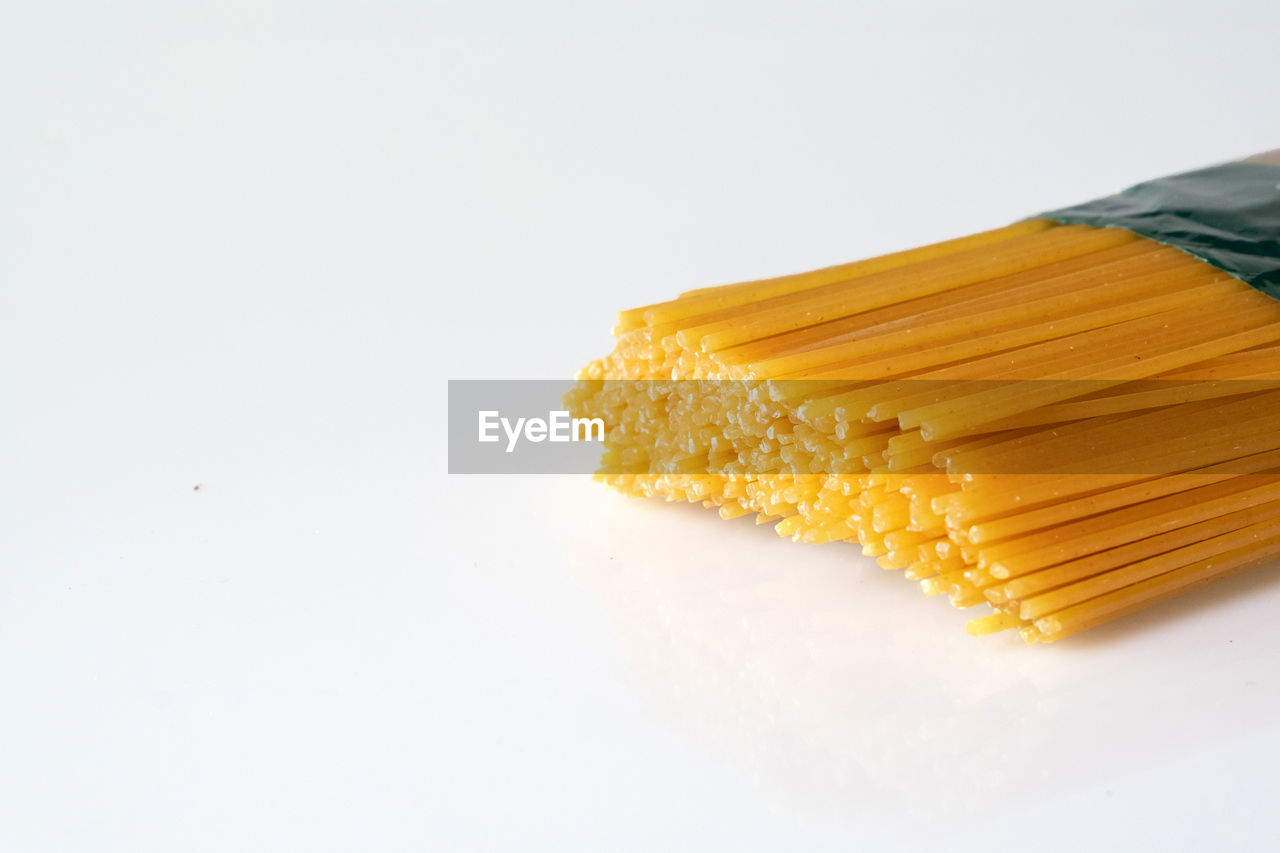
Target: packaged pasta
pixel 1059 422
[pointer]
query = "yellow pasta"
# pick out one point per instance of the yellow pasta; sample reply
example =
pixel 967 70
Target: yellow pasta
pixel 1058 423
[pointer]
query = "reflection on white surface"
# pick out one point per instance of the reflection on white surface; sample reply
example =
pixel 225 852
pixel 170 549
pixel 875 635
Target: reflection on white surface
pixel 843 691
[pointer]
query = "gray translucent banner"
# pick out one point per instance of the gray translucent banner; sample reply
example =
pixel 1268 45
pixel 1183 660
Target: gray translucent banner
pixel 839 427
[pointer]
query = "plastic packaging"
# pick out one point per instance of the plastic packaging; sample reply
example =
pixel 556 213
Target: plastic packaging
pixel 1227 215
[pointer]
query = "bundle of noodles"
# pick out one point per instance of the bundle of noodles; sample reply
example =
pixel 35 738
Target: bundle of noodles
pixel 1061 422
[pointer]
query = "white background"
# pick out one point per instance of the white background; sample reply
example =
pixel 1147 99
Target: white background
pixel 244 245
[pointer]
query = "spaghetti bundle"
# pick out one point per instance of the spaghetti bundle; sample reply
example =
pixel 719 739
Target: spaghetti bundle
pixel 1057 421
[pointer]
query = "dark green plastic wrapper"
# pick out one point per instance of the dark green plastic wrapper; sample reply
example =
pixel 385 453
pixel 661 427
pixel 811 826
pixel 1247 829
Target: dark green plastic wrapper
pixel 1227 215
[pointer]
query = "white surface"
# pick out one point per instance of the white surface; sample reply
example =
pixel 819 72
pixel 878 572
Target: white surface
pixel 244 245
